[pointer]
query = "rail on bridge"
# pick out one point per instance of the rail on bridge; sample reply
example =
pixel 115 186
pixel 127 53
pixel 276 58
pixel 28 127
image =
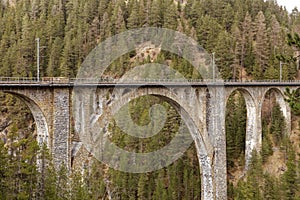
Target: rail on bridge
pixel 109 80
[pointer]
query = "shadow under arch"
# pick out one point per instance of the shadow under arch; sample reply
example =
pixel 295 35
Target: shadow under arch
pixel 38 115
pixel 284 106
pixel 252 139
pixel 201 142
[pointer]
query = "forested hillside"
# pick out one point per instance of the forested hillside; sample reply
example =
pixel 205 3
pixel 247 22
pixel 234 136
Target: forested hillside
pixel 249 38
pixel 246 35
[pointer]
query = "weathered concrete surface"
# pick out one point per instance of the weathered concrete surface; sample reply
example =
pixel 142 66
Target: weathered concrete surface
pixel 61 127
pixel 191 103
pixel 50 108
pixel 202 109
pixel 216 129
pixel 254 98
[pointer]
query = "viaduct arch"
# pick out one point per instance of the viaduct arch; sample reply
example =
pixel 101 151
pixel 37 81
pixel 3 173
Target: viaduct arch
pixel 252 138
pixel 195 121
pixel 191 105
pixel 254 98
pixel 38 115
pixel 52 108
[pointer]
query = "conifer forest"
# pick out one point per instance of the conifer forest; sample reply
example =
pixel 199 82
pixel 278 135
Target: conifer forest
pixel 250 39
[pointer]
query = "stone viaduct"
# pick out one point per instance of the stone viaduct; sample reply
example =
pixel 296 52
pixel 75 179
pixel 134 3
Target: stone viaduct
pixel 202 107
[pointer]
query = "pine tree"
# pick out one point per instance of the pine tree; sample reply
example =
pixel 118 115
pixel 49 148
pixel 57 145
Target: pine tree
pixel 54 62
pixel 293 99
pixel 118 21
pixel 266 150
pixel 156 14
pixel 29 171
pixel 134 19
pixel 95 181
pixel 78 187
pixel 261 50
pixel 277 124
pixel 142 13
pixel 254 178
pixel 142 187
pixel 7 44
pixel 67 62
pixel 295 18
pixel 225 56
pixel 25 59
pixel 271 73
pixel 188 12
pixel 294 40
pixel 20 173
pixel 274 33
pixel 270 191
pixel 8 59
pixel 55 23
pixel 3 170
pixel 235 128
pixel 228 16
pixel 170 15
pixel 236 32
pixel 159 192
pixel 62 184
pixel 289 185
pixel 90 10
pixel 45 188
pixel 208 30
pixel 102 7
pixel 246 48
pixel 105 27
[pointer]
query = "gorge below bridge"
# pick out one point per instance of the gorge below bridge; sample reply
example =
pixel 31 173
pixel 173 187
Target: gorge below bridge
pixel 202 107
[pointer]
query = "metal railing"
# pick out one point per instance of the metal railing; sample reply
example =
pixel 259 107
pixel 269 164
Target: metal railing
pixel 106 80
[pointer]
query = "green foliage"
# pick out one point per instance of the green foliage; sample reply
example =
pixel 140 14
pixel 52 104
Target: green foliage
pixel 27 172
pixel 278 126
pixel 181 180
pixel 236 114
pixel 19 174
pixel 251 188
pixel 69 30
pixel 244 34
pixel 289 183
pixel 294 40
pixel 267 145
pixel 262 185
pixel 225 55
pixel 3 170
pixel 258 183
pixel 293 99
pixel 271 187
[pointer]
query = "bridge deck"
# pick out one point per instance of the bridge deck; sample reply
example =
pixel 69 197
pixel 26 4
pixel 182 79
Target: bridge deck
pixel 71 82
